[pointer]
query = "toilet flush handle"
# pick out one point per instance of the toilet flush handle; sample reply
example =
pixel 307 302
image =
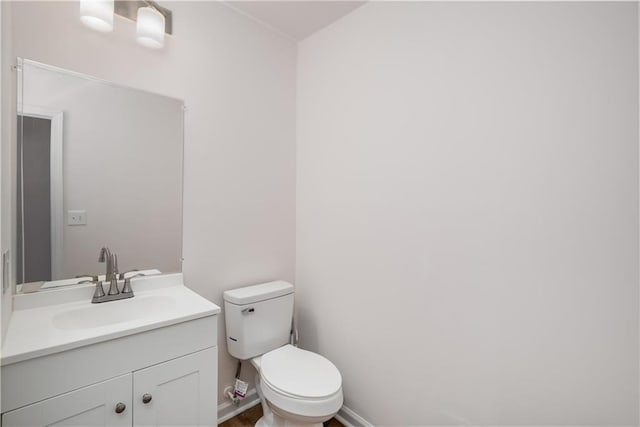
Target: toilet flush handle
pixel 248 310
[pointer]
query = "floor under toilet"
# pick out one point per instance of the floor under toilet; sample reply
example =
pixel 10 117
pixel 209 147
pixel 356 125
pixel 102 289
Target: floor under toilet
pixel 249 418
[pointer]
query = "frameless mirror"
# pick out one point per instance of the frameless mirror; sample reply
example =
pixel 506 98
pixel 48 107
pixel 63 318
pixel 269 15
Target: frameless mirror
pixel 98 164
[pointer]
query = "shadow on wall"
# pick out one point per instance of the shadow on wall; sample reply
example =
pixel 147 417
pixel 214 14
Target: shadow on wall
pixel 307 332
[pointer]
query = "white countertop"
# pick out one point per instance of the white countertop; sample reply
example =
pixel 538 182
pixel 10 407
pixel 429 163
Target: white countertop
pixel 37 327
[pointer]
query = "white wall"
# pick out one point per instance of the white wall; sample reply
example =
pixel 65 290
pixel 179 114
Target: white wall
pixel 238 82
pixel 467 211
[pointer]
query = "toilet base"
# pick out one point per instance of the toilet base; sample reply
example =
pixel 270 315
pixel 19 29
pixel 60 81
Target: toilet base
pixel 272 419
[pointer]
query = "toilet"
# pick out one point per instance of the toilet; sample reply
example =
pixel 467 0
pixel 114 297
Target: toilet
pixel 296 387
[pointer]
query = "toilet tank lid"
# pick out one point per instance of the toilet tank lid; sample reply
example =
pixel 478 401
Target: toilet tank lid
pixel 261 292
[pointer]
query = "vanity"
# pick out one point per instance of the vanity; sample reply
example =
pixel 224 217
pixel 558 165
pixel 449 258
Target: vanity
pixel 150 360
pixel 111 336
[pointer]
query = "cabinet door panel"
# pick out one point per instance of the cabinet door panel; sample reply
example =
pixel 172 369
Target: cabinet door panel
pixel 183 391
pixel 89 406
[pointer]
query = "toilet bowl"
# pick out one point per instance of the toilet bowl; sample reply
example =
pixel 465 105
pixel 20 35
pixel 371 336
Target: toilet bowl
pixel 297 388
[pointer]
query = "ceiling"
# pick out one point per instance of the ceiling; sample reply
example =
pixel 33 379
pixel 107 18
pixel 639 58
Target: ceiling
pixel 296 19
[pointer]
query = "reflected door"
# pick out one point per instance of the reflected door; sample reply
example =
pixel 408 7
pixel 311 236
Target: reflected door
pixel 34 199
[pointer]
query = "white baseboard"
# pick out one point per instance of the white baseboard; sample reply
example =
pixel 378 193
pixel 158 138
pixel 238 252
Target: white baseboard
pixel 229 409
pixel 350 419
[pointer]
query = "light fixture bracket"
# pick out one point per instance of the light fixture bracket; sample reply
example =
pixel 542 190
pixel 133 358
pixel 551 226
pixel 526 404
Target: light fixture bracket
pixel 129 10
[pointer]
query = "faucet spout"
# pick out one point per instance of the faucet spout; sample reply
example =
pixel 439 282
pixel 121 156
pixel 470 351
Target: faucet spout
pixel 105 256
pixel 113 285
pixel 105 253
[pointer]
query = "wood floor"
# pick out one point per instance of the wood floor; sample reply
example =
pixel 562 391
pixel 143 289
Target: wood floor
pixel 249 418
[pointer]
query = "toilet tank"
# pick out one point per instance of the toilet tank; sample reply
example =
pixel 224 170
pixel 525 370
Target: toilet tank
pixel 258 318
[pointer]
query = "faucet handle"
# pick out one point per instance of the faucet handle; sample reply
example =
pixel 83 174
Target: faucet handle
pixel 99 292
pixel 127 283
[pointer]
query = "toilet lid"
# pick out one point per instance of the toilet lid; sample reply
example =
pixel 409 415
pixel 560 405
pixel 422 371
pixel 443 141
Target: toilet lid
pixel 300 373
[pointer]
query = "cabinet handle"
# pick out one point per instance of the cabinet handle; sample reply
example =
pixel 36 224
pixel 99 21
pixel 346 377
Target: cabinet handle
pixel 120 407
pixel 146 398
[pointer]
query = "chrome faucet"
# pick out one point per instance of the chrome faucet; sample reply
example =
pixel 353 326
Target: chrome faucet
pixel 111 276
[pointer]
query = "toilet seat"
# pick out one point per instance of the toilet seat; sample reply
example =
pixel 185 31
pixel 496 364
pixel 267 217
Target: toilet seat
pixel 301 382
pixel 300 373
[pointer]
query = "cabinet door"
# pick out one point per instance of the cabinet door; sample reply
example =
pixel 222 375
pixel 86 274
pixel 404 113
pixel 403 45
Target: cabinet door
pixel 180 392
pixel 94 405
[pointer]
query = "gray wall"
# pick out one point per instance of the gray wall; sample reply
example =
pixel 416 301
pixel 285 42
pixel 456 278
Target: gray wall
pixel 467 201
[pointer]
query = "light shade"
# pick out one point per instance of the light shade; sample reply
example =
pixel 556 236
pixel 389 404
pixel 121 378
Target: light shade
pixel 97 14
pixel 150 28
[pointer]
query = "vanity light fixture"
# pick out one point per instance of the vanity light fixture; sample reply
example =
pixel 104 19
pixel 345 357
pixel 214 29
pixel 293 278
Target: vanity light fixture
pixel 150 28
pixel 153 20
pixel 97 14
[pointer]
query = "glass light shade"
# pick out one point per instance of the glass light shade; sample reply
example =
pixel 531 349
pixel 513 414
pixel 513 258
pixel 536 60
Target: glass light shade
pixel 97 14
pixel 150 28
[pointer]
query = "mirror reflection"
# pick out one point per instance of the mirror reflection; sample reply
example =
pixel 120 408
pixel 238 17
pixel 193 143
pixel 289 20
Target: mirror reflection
pixel 98 165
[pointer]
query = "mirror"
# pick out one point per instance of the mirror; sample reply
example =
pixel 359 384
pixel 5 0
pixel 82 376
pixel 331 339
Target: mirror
pixel 98 164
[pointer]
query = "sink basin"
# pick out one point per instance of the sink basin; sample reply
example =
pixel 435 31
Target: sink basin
pixel 110 313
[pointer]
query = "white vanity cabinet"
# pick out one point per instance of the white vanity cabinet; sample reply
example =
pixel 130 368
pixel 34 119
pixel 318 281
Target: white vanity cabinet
pixel 174 393
pixel 89 406
pixel 155 371
pixel 177 392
